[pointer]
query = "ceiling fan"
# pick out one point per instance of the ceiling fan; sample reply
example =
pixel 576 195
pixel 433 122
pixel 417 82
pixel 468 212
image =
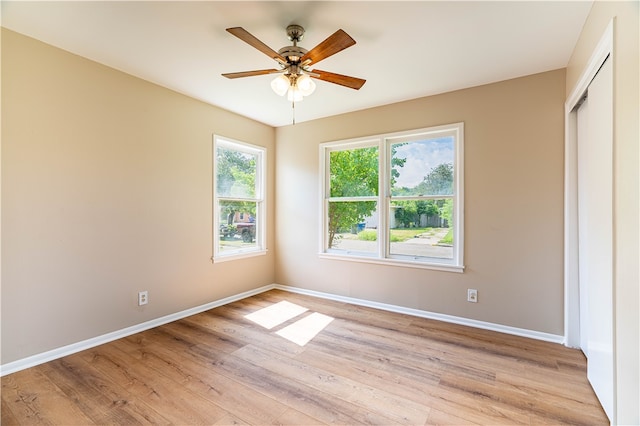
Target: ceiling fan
pixel 296 62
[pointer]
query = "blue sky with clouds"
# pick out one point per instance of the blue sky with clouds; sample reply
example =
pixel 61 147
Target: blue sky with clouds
pixel 422 156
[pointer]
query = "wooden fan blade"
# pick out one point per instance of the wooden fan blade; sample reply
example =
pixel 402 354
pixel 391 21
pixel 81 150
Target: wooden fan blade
pixel 335 43
pixel 251 40
pixel 342 80
pixel 250 73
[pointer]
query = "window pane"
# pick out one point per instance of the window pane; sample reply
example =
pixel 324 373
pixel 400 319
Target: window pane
pixel 354 172
pixel 236 173
pixel 418 196
pixel 422 228
pixel 237 225
pixel 423 167
pixel 353 226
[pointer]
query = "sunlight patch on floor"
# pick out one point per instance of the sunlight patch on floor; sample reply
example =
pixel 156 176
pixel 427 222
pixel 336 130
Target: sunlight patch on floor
pixel 302 331
pixel 276 314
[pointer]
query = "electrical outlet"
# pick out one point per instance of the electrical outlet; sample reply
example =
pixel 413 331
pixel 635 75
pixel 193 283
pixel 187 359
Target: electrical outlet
pixel 472 295
pixel 143 298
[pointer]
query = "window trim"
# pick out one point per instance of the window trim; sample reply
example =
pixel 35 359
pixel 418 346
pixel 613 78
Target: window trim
pixel 260 200
pixel 384 198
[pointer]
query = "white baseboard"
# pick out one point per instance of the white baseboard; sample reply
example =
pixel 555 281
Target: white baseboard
pixel 537 335
pixel 41 358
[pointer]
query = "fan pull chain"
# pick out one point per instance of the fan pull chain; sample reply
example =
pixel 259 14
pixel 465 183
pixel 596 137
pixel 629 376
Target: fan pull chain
pixel 293 112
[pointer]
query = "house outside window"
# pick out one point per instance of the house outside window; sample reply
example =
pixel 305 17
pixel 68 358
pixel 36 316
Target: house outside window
pixel 395 198
pixel 238 199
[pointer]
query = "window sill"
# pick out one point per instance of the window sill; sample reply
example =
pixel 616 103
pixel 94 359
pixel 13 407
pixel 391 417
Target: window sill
pixel 394 262
pixel 238 255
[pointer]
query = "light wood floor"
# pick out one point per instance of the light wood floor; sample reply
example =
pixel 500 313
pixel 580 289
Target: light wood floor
pixel 365 366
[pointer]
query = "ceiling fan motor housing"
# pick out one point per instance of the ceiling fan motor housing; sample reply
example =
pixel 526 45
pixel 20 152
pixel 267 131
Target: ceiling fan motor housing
pixel 292 53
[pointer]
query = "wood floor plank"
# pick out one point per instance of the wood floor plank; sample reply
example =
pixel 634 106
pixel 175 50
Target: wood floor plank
pixel 572 405
pixel 6 415
pixel 365 367
pixel 437 417
pixel 293 417
pixel 242 329
pixel 401 411
pixel 30 397
pixel 425 363
pixel 103 401
pixel 164 336
pixel 155 390
pixel 200 335
pixel 197 375
pixel 376 376
pixel 318 405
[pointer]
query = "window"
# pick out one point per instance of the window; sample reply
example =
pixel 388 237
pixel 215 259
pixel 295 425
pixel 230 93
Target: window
pixel 395 198
pixel 238 199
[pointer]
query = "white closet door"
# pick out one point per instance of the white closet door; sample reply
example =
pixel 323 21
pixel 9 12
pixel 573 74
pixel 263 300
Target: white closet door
pixel 595 229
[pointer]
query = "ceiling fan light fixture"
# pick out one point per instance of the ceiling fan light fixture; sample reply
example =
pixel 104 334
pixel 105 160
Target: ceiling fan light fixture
pixel 280 84
pixel 296 86
pixel 294 94
pixel 305 84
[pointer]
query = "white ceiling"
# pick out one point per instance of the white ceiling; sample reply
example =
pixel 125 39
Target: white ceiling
pixel 404 50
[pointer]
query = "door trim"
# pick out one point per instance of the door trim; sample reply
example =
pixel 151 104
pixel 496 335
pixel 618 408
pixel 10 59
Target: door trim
pixel 603 50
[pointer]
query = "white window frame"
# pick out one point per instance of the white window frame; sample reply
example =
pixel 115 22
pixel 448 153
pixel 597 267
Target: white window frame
pixel 260 200
pixel 384 198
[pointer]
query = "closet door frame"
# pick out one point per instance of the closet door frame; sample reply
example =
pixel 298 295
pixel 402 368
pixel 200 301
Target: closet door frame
pixel 603 50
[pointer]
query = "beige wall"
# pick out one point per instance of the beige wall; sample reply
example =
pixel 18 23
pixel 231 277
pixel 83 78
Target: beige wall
pixel 513 205
pixel 626 186
pixel 106 190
